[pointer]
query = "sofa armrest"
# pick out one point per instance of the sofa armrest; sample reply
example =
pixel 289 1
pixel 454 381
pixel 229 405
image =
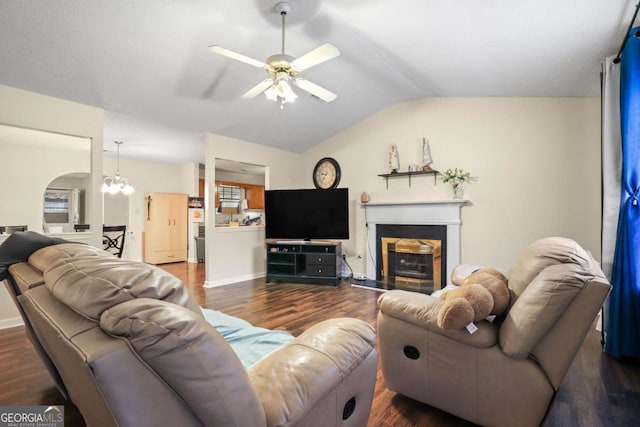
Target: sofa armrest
pixel 422 310
pixel 291 381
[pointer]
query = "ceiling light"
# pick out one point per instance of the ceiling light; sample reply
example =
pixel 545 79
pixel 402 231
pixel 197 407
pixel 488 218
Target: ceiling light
pixel 281 90
pixel 284 70
pixel 117 184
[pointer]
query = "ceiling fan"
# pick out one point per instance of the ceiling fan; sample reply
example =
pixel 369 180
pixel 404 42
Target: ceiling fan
pixel 284 70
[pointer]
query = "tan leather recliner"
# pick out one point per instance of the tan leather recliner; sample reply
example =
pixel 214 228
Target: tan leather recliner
pixel 507 373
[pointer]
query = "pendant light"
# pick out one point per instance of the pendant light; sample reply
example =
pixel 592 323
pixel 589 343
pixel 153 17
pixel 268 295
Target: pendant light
pixel 117 184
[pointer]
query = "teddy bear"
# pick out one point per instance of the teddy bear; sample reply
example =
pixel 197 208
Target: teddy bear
pixel 482 293
pixel 496 283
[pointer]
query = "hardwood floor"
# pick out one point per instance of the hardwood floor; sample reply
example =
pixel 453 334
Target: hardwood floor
pixel 597 391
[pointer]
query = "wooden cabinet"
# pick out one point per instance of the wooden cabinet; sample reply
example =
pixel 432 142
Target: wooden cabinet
pixel 304 263
pixel 217 202
pixel 255 196
pixel 165 229
pixel 201 188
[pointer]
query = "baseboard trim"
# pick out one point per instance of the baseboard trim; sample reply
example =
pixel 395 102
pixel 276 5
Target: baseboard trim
pixel 232 280
pixel 11 322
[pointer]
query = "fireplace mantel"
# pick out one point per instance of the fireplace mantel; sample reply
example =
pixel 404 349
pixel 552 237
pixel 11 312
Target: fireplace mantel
pixel 435 212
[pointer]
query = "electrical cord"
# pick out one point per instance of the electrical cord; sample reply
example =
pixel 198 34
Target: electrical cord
pixel 366 223
pixel 344 259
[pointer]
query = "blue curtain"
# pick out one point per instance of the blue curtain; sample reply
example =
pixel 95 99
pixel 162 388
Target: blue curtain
pixel 623 331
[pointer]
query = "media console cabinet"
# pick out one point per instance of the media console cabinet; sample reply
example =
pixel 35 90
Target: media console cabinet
pixel 308 262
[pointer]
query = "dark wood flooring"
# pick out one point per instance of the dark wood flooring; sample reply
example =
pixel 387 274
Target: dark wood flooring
pixel 597 391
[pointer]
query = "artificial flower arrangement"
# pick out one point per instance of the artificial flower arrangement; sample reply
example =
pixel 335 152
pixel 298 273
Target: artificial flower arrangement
pixel 456 178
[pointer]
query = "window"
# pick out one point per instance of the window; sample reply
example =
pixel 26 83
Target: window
pixel 229 198
pixel 229 193
pixel 56 206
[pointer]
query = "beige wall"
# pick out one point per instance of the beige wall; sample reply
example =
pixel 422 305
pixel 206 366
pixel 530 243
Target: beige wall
pixel 149 177
pixel 34 111
pixel 50 156
pixel 537 161
pixel 240 255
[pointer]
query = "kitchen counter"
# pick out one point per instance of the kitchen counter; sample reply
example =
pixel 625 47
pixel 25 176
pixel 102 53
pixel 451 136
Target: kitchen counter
pixel 224 228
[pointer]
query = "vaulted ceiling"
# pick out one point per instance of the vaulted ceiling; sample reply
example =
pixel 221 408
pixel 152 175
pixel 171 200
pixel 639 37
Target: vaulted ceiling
pixel 147 63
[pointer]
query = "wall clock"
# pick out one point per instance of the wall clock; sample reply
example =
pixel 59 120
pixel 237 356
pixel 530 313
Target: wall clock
pixel 326 173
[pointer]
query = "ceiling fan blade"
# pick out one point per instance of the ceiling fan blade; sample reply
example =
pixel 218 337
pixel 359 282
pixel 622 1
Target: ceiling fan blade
pixel 238 57
pixel 317 56
pixel 258 89
pixel 316 90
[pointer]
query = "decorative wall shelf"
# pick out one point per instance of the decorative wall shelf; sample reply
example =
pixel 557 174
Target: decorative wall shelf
pixel 386 176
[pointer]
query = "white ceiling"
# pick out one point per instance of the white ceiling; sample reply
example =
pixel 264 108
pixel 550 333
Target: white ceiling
pixel 147 63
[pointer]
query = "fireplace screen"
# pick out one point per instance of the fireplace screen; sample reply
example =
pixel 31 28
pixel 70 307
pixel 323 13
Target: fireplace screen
pixel 412 263
pixel 411 257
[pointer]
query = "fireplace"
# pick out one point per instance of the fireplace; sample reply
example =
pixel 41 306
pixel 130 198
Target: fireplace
pixel 412 260
pixel 428 226
pixel 411 256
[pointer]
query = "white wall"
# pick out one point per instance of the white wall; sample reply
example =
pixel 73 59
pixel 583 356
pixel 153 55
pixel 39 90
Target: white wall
pixel 537 161
pixel 47 156
pixel 239 177
pixel 34 111
pixel 236 255
pixel 149 177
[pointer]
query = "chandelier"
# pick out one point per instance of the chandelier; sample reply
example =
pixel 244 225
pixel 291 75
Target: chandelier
pixel 117 184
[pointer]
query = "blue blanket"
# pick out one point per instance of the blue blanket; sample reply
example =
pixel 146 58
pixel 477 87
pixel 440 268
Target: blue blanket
pixel 250 343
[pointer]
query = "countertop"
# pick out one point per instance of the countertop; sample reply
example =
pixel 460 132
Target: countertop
pixel 223 228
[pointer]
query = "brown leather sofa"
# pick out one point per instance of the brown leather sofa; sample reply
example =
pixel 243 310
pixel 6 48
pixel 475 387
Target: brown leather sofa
pixel 508 372
pixel 130 347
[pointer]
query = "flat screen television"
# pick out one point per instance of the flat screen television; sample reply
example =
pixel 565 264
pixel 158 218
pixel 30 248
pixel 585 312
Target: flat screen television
pixel 307 214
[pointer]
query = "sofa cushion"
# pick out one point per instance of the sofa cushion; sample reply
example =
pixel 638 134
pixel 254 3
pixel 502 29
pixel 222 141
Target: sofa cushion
pixel 540 305
pixel 540 255
pixel 191 356
pixel 90 285
pixel 19 246
pixel 25 276
pixel 44 257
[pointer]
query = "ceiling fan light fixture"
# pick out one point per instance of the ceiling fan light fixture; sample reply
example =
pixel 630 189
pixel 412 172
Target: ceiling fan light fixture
pixel 271 93
pixel 281 90
pixel 284 69
pixel 289 94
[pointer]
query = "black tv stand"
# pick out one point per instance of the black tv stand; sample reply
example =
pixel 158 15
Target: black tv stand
pixel 304 262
